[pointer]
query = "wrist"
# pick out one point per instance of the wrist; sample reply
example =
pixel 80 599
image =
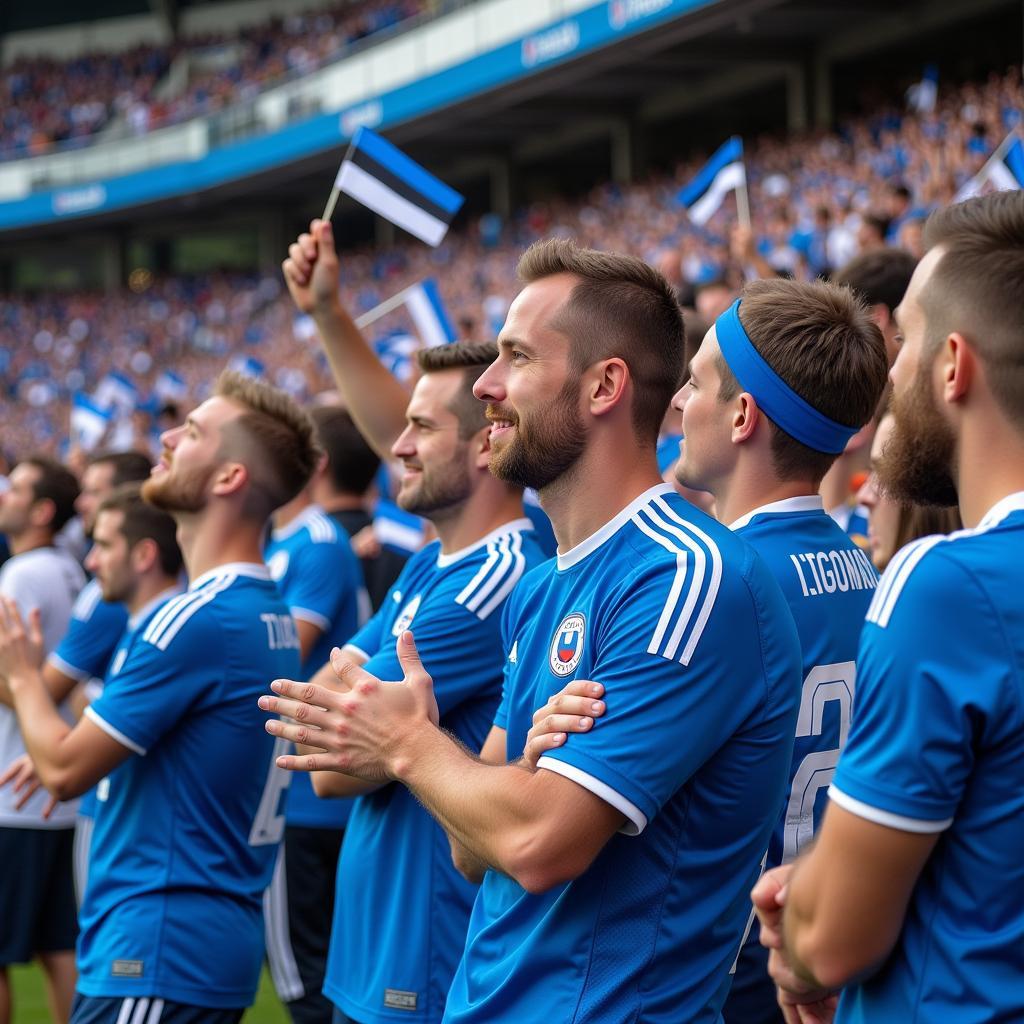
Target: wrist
pixel 22 678
pixel 412 749
pixel 327 312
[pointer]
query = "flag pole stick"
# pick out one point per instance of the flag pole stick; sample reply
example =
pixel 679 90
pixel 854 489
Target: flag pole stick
pixel 743 203
pixel 332 201
pixel 384 308
pixel 998 153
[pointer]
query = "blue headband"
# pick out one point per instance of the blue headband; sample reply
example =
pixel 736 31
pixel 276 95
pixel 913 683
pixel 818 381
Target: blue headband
pixel 774 396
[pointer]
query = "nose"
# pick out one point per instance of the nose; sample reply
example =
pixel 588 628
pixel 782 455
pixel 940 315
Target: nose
pixel 169 438
pixel 404 445
pixel 90 560
pixel 679 399
pixel 490 385
pixel 868 493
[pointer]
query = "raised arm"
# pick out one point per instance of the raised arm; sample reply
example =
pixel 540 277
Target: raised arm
pixel 374 397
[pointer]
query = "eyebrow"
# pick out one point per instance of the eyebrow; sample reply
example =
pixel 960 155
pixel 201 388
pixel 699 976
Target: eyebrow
pixel 191 421
pixel 689 369
pixel 507 343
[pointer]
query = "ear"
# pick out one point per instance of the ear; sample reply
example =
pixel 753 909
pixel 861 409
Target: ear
pixel 881 315
pixel 480 448
pixel 144 555
pixel 41 512
pixel 608 384
pixel 230 478
pixel 745 418
pixel 958 365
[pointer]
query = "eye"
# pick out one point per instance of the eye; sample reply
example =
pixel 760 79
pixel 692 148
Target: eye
pixel 516 356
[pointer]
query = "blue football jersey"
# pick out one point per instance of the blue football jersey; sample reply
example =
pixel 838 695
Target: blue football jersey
pixel 321 581
pixel 86 649
pixel 187 832
pixel 828 583
pixel 93 632
pixel 691 638
pixel 937 745
pixel 401 908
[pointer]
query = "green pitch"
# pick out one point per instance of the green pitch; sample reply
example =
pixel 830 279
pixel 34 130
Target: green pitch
pixel 30 1000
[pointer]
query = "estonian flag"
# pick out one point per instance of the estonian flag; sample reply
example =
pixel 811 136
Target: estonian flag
pixel 89 421
pixel 723 173
pixel 1004 169
pixel 383 178
pixel 423 300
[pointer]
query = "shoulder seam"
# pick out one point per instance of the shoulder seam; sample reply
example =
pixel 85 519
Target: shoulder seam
pixel 162 635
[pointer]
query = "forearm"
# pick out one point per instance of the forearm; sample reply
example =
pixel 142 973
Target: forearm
pixel 335 784
pixel 42 728
pixel 372 395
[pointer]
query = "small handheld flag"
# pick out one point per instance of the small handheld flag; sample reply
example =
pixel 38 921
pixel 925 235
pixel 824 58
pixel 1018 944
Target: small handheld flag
pixel 385 180
pixel 423 300
pixel 1004 169
pixel 89 421
pixel 722 174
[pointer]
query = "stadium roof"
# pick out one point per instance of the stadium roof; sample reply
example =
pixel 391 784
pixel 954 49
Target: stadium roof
pixel 22 15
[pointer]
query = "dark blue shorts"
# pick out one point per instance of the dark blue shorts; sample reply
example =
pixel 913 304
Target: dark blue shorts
pixel 146 1010
pixel 37 894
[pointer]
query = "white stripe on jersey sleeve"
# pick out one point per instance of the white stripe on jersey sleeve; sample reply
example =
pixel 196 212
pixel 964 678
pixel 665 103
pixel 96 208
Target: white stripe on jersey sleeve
pixel 506 588
pixel 85 604
pixel 675 590
pixel 918 826
pixel 65 667
pixel 504 563
pixel 895 579
pixel 636 820
pixel 162 638
pixel 113 733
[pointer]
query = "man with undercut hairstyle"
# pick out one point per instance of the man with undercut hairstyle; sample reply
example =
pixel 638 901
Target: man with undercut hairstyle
pixel 615 877
pixel 401 909
pixel 183 848
pixel 912 898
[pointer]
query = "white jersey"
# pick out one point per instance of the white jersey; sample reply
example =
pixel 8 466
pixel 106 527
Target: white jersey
pixel 48 579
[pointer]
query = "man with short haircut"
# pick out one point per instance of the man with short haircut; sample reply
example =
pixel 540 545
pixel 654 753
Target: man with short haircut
pixel 171 923
pixel 780 383
pixel 37 900
pixel 913 894
pixel 401 909
pixel 341 487
pixel 96 625
pixel 616 874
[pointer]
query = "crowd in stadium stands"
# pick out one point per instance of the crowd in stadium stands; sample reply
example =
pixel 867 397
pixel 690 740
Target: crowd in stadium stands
pixel 44 101
pixel 816 202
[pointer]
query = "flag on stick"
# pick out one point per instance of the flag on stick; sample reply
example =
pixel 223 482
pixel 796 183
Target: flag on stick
pixel 89 421
pixel 426 308
pixel 722 174
pixel 382 178
pixel 1004 169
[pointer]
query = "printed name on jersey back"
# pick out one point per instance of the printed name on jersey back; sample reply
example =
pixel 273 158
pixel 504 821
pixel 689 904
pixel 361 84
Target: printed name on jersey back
pixel 281 632
pixel 832 572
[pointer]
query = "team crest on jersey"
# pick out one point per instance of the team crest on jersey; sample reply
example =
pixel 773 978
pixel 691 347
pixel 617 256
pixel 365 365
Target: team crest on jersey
pixel 277 566
pixel 567 645
pixel 405 617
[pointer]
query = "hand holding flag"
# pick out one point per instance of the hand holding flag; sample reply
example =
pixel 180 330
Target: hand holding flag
pixel 385 180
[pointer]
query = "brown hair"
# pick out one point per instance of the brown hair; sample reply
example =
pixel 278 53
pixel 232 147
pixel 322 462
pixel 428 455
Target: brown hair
pixel 126 466
pixel 351 462
pixel 820 339
pixel 879 277
pixel 621 308
pixel 472 357
pixel 924 520
pixel 142 521
pixel 277 435
pixel 55 484
pixel 976 288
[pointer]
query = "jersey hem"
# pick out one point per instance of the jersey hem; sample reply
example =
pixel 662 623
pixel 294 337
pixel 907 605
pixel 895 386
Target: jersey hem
pixel 367 1016
pixel 226 999
pixel 72 672
pixel 636 820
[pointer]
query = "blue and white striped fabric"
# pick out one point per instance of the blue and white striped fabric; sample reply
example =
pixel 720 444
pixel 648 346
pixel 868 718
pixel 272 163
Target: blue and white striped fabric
pixel 385 180
pixel 89 421
pixel 117 392
pixel 1004 171
pixel 722 174
pixel 423 300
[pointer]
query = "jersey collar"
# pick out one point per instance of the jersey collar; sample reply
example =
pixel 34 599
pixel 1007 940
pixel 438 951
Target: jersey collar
pixel 150 606
pixel 1002 508
pixel 803 503
pixel 517 525
pixel 297 523
pixel 254 570
pixel 596 539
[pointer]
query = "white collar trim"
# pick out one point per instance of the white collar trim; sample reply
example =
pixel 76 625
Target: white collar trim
pixel 254 570
pixel 517 525
pixel 586 547
pixel 803 503
pixel 297 523
pixel 1002 508
pixel 165 595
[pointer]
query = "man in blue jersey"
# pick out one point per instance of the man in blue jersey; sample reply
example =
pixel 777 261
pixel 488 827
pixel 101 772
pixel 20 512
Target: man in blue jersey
pixel 913 894
pixel 402 909
pixel 781 382
pixel 319 577
pixel 171 923
pixel 616 874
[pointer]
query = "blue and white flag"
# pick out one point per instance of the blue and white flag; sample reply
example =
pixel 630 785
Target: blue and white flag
pixel 89 421
pixel 116 391
pixel 423 300
pixel 247 365
pixel 1004 170
pixel 169 387
pixel 922 96
pixel 396 350
pixel 382 178
pixel 722 174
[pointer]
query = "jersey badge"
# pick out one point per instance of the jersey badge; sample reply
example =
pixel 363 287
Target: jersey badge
pixel 405 617
pixel 567 645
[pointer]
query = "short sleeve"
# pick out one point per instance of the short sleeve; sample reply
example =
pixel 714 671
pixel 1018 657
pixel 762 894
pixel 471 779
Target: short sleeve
pixel 157 686
pixel 92 635
pixel 460 651
pixel 367 640
pixel 630 759
pixel 323 586
pixel 925 697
